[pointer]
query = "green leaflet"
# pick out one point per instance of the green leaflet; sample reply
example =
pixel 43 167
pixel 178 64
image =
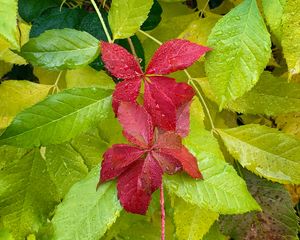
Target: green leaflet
pixel 226 197
pixel 270 96
pixel 273 11
pixel 58 118
pixel 86 213
pixel 214 233
pixel 125 17
pixel 265 151
pixel 278 219
pixel 65 166
pixel 27 194
pixel 61 49
pixel 291 35
pixel 191 221
pixel 8 24
pixel 15 96
pixel 241 50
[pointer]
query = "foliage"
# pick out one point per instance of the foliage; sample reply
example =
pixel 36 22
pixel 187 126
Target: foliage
pixel 203 105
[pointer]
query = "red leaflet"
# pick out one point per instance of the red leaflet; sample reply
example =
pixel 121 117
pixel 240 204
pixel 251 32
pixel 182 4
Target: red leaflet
pixel 139 167
pixel 163 96
pixel 175 55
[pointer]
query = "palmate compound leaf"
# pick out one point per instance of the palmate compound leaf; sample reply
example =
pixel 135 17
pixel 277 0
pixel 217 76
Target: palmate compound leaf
pixel 277 220
pixel 126 17
pixel 265 151
pixel 18 95
pixel 241 50
pixel 291 35
pixel 86 213
pixel 270 96
pixel 192 222
pixel 61 49
pixel 229 196
pixel 58 118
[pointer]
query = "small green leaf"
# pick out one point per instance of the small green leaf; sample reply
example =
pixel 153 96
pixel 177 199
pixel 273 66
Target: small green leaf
pixel 291 35
pixel 278 219
pixel 8 24
pixel 18 95
pixel 126 17
pixel 61 49
pixel 191 221
pixel 27 194
pixel 265 151
pixel 228 197
pixel 239 56
pixel 86 213
pixel 58 118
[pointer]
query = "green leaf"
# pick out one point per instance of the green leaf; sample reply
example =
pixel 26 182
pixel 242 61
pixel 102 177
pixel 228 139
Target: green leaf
pixel 88 77
pixel 191 221
pixel 9 154
pixel 65 166
pixel 26 93
pixel 270 96
pixel 4 68
pixel 61 49
pixel 8 24
pixel 27 194
pixel 56 18
pixel 58 118
pixel 273 11
pixel 154 17
pixel 228 197
pixel 214 233
pixel 265 151
pixel 278 219
pixel 291 35
pixel 86 213
pixel 239 56
pixel 126 17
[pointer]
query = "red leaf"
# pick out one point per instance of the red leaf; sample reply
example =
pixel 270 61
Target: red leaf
pixel 137 124
pixel 183 119
pixel 188 161
pixel 169 140
pixel 126 91
pixel 169 164
pixel 122 155
pixel 175 55
pixel 179 93
pixel 151 175
pixel 130 192
pixel 119 62
pixel 160 107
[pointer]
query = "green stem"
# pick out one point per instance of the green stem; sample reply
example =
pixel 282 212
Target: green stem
pixel 152 38
pixel 101 20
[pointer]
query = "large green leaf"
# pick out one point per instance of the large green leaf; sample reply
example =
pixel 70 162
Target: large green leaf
pixel 18 95
pixel 273 11
pixel 265 151
pixel 241 50
pixel 86 213
pixel 61 49
pixel 8 23
pixel 126 17
pixel 65 166
pixel 191 221
pixel 58 118
pixel 222 190
pixel 291 35
pixel 270 96
pixel 278 219
pixel 27 194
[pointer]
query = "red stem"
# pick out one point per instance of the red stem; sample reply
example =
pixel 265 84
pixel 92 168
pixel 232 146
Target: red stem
pixel 163 214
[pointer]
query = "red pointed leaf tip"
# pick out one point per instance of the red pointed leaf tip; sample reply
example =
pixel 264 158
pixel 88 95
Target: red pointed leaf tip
pixel 137 124
pixel 119 62
pixel 174 55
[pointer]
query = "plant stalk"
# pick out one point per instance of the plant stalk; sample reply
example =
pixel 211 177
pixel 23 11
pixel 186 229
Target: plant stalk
pixel 162 209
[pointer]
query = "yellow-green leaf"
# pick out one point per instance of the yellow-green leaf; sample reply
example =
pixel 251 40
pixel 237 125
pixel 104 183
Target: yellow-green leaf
pixel 18 95
pixel 126 16
pixel 241 50
pixel 4 68
pixel 291 36
pixel 265 151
